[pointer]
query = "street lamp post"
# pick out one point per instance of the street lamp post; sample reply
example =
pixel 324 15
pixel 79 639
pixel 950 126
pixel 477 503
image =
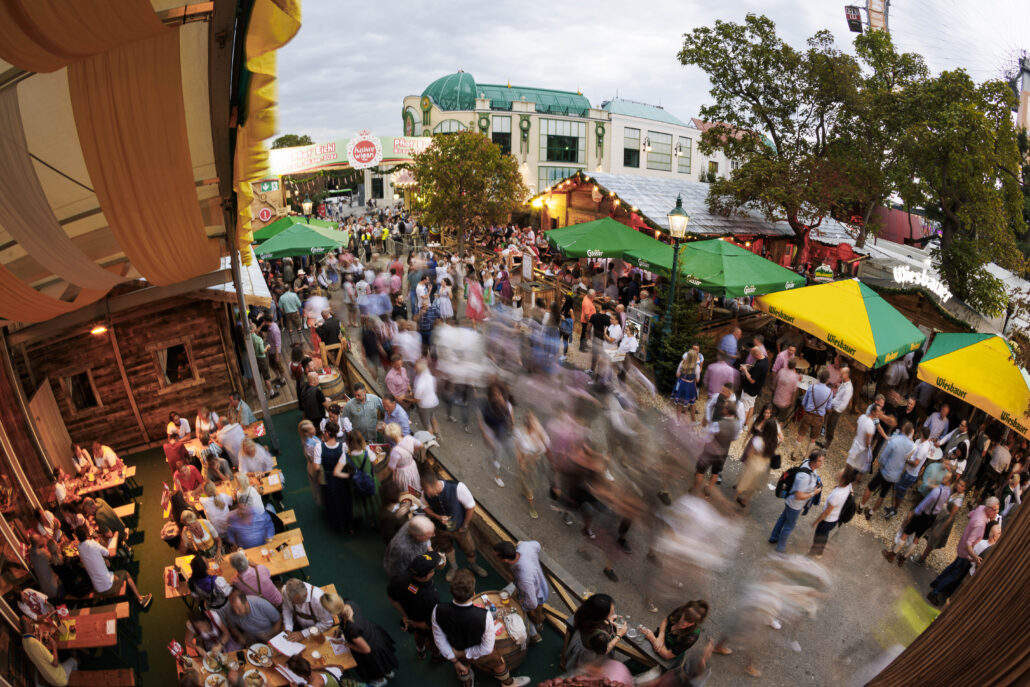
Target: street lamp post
pixel 678 219
pixel 306 209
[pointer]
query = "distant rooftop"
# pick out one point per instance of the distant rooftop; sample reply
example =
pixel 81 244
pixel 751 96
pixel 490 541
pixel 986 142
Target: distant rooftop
pixel 631 108
pixel 547 100
pixel 459 92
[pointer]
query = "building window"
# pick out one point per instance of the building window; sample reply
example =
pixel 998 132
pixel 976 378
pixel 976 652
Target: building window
pixel 562 141
pixel 377 187
pixel 734 165
pixel 175 364
pixel 549 176
pixel 81 391
pixel 631 147
pixel 660 156
pixel 448 126
pixel 501 134
pixel 685 155
pixel 713 167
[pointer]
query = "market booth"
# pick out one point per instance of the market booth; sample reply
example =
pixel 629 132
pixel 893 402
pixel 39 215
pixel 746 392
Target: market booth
pixel 980 370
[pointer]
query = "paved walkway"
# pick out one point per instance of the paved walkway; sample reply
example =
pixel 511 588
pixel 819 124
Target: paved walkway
pixel 860 611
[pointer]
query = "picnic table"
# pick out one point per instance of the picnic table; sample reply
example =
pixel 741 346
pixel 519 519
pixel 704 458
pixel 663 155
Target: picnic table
pixel 88 631
pixel 284 554
pixel 332 652
pixel 266 483
pixel 84 486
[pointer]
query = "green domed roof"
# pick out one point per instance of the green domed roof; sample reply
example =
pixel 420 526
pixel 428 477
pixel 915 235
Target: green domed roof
pixel 453 92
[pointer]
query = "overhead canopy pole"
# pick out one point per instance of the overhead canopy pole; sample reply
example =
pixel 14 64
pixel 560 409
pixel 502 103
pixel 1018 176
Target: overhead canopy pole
pixel 241 303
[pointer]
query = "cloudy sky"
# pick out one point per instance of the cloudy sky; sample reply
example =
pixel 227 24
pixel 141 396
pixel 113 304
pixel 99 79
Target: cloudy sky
pixel 353 62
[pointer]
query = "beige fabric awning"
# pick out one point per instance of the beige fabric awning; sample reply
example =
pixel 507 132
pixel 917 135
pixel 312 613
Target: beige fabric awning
pixel 104 116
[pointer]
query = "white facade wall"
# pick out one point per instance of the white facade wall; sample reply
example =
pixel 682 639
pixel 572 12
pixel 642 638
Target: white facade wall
pixel 678 169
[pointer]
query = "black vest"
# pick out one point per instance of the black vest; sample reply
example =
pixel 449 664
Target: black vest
pixel 447 503
pixel 462 625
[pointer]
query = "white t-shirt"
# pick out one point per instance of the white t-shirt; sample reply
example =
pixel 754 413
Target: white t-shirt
pixel 424 390
pixel 251 499
pixel 629 344
pixel 463 495
pixel 106 458
pixel 978 549
pixel 859 455
pixel 922 452
pixel 92 554
pixel 834 502
pixel 183 428
pixel 261 461
pixel 218 517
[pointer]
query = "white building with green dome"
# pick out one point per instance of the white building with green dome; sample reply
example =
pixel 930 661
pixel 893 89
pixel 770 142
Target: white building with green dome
pixel 555 134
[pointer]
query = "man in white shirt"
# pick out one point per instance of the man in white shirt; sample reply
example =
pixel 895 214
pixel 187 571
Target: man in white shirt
pixel 106 583
pixel 303 610
pixel 838 406
pixel 178 425
pixel 806 485
pixel 464 634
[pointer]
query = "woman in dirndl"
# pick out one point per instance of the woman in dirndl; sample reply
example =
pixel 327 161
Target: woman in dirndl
pixel 684 394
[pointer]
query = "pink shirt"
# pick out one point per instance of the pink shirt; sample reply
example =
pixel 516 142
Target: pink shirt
pixel 786 388
pixel 719 374
pixel 397 382
pixel 974 531
pixel 257 581
pixel 781 360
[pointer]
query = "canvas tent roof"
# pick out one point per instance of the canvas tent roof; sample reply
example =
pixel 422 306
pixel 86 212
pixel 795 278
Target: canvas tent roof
pixel 114 140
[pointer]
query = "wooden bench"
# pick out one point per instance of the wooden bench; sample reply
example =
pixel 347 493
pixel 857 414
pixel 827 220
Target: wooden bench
pixel 288 517
pixel 120 609
pixel 102 678
pixel 126 511
pixel 93 598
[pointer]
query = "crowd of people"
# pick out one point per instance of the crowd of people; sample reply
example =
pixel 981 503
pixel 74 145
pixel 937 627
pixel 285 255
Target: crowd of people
pixel 453 338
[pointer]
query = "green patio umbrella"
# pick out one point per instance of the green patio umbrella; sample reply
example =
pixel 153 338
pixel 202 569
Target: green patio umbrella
pixel 301 239
pixel 602 238
pixel 268 231
pixel 719 267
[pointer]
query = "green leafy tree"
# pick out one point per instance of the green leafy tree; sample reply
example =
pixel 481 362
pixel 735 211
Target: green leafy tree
pixel 668 350
pixel 961 163
pixel 864 153
pixel 464 182
pixel 291 141
pixel 1023 142
pixel 762 85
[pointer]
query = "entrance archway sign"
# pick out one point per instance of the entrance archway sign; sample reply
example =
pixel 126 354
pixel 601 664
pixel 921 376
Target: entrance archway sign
pixel 364 150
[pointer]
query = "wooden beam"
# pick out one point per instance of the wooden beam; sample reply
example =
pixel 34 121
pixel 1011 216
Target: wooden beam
pixel 125 381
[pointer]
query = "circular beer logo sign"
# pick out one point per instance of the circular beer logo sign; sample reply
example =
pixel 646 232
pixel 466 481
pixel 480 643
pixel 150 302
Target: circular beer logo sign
pixel 364 150
pixel 265 214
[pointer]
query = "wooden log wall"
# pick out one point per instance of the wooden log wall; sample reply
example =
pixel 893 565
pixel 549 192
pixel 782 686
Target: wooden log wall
pixel 115 422
pixel 917 308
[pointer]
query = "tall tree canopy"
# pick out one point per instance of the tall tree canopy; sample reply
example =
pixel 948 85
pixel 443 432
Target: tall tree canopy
pixel 762 85
pixel 291 141
pixel 961 163
pixel 464 182
pixel 865 151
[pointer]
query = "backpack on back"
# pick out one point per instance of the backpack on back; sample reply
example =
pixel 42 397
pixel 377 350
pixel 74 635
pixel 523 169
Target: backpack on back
pixel 847 510
pixel 785 484
pixel 364 483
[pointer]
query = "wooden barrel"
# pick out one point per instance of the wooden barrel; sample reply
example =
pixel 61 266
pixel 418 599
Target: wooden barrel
pixel 511 652
pixel 505 646
pixel 332 384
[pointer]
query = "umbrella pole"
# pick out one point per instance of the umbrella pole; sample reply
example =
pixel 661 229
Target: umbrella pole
pixel 248 343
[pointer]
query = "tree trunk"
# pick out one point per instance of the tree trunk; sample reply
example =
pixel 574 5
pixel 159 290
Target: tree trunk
pixel 801 233
pixel 863 231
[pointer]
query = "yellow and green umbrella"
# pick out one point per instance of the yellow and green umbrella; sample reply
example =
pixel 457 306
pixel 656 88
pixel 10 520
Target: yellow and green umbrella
pixel 980 370
pixel 849 316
